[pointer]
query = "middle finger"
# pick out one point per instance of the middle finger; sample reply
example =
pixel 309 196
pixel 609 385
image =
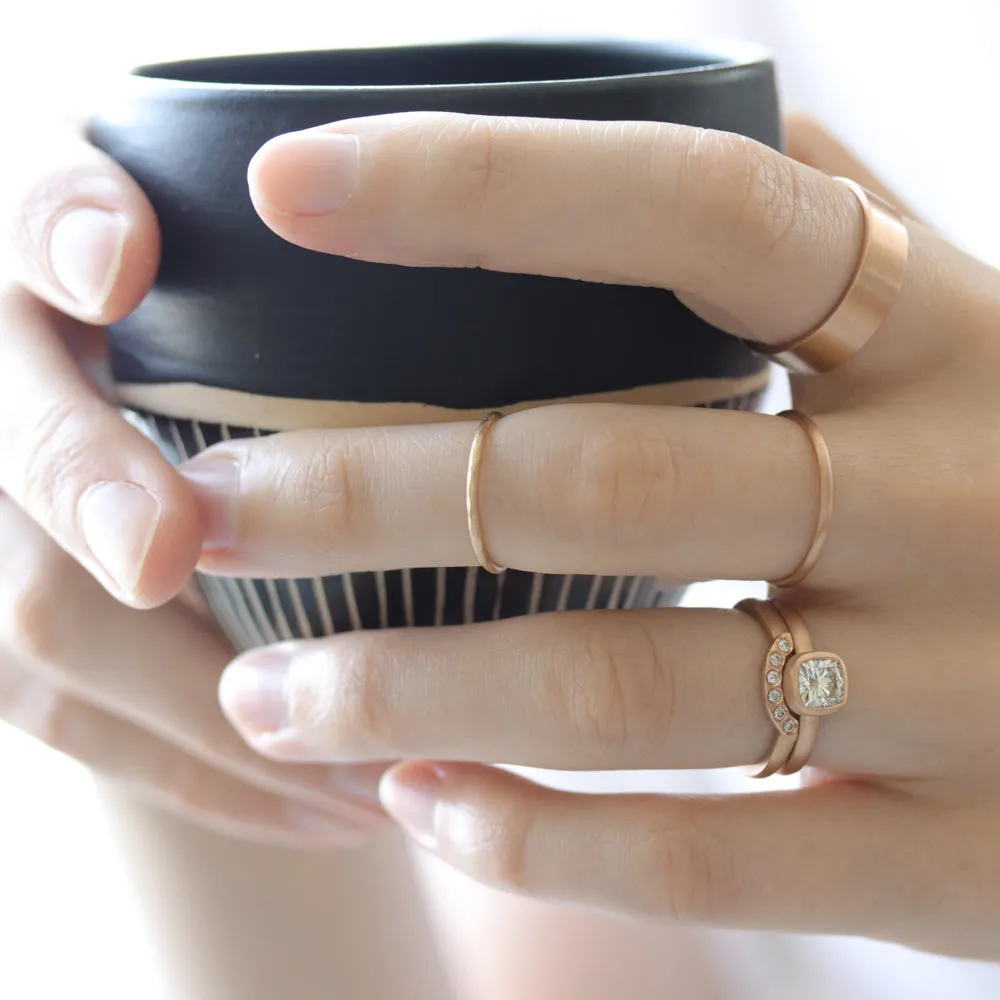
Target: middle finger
pixel 732 225
pixel 587 489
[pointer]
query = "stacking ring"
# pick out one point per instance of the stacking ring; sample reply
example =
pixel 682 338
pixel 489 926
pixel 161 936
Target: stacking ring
pixel 472 491
pixel 800 684
pixel 814 684
pixel 781 648
pixel 865 303
pixel 825 469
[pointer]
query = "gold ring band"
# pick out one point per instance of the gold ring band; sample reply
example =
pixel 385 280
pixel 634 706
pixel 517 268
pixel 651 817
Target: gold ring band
pixel 814 684
pixel 825 467
pixel 866 301
pixel 782 646
pixel 472 491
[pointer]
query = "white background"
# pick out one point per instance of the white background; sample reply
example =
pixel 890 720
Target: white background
pixel 913 85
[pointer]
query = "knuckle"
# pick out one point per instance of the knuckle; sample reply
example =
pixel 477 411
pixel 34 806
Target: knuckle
pixel 32 622
pixel 620 483
pixel 685 873
pixel 737 186
pixel 330 485
pixel 477 159
pixel 51 458
pixel 30 202
pixel 488 159
pixel 493 841
pixel 342 702
pixel 615 685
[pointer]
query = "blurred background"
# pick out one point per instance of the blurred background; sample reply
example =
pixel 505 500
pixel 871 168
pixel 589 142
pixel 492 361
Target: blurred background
pixel 913 86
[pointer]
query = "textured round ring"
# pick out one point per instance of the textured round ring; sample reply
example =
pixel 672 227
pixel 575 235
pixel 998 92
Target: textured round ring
pixel 814 684
pixel 781 648
pixel 472 491
pixel 866 301
pixel 825 467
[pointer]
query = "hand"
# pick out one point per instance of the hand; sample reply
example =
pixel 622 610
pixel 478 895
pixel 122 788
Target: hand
pixel 130 693
pixel 895 836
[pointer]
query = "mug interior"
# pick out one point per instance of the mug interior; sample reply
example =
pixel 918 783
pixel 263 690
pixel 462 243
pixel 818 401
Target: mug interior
pixel 462 64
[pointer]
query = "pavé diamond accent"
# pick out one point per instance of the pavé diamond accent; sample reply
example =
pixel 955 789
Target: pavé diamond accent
pixel 789 725
pixel 774 659
pixel 780 713
pixel 784 645
pixel 773 677
pixel 773 696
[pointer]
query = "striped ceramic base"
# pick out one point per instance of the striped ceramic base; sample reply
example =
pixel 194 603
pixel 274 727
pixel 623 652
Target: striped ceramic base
pixel 258 612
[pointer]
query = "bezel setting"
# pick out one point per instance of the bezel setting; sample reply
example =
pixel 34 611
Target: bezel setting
pixel 829 662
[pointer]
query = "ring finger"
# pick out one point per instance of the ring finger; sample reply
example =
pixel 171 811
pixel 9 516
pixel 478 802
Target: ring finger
pixel 662 688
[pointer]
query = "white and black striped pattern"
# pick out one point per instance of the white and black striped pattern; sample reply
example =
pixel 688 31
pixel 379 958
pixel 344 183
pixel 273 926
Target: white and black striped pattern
pixel 258 612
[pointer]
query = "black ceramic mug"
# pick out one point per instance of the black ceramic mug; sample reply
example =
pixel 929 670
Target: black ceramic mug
pixel 245 334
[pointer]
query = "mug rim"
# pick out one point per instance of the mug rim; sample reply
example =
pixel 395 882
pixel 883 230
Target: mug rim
pixel 718 55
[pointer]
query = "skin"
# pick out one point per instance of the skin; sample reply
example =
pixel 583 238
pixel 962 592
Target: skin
pixel 755 242
pixel 770 244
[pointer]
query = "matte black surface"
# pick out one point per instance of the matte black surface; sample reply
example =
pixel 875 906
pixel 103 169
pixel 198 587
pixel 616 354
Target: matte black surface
pixel 236 306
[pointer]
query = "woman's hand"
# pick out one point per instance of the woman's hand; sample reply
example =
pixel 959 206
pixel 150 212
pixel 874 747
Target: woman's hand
pixel 130 693
pixel 896 836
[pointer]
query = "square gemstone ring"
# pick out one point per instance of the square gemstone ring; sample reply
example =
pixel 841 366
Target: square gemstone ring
pixel 815 683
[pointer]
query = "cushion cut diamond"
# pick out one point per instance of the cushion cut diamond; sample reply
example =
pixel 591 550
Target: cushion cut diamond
pixel 822 682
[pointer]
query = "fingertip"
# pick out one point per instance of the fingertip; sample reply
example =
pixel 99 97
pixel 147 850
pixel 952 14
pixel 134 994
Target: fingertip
pixel 85 238
pixel 412 792
pixel 451 782
pixel 166 565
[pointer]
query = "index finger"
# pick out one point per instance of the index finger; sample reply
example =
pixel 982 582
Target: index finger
pixel 766 242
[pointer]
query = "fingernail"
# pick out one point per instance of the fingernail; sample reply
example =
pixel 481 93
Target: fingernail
pixel 216 482
pixel 85 252
pixel 411 794
pixel 253 691
pixel 119 522
pixel 307 173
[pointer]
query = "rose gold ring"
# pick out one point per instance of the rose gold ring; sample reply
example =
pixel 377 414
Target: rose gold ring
pixel 472 491
pixel 866 302
pixel 781 648
pixel 825 467
pixel 814 684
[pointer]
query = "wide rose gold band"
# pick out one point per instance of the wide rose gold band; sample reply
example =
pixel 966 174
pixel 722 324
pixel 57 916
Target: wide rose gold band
pixel 866 301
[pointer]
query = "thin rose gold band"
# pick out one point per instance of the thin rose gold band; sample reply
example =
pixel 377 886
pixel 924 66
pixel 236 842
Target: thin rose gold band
pixel 808 717
pixel 472 491
pixel 825 467
pixel 782 645
pixel 866 301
